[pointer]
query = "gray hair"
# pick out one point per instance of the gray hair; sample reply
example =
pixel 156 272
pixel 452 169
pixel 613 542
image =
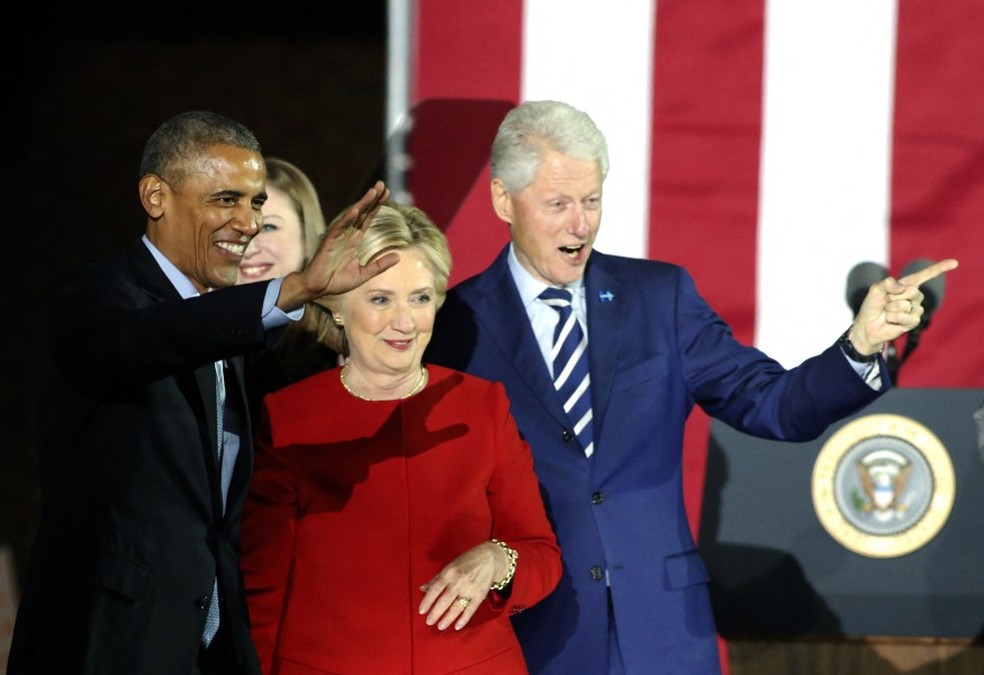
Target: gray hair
pixel 188 136
pixel 531 129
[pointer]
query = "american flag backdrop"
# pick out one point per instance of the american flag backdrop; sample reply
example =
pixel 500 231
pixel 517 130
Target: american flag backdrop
pixel 767 146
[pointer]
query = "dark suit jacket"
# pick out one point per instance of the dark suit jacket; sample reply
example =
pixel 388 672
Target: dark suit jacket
pixel 656 349
pixel 132 532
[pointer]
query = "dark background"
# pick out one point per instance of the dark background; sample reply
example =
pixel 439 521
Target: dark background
pixel 86 85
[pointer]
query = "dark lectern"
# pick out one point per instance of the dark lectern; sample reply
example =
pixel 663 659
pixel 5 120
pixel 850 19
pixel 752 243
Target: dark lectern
pixel 777 573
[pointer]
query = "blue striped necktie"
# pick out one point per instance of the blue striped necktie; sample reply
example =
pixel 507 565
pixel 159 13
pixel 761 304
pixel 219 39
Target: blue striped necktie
pixel 212 618
pixel 570 366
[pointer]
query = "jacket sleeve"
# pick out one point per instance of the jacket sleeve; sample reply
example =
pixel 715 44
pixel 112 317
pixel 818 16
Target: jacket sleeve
pixel 752 392
pixel 109 330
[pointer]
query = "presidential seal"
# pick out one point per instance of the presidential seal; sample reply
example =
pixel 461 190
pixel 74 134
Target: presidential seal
pixel 883 486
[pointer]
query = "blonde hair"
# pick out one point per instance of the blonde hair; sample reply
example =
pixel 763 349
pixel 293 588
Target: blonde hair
pixel 293 182
pixel 301 351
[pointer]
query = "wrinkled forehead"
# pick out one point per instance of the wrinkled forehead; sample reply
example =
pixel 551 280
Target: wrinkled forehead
pixel 220 163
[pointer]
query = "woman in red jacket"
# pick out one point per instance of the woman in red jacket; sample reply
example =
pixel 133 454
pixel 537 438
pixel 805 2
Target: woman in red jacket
pixel 394 522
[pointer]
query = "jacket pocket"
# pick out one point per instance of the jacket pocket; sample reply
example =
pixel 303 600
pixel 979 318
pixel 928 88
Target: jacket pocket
pixel 649 369
pixel 685 569
pixel 121 575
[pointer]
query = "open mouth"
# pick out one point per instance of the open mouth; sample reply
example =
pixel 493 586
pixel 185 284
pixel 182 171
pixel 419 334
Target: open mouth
pixel 255 270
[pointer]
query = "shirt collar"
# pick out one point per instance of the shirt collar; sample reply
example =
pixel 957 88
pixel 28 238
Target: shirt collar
pixel 181 283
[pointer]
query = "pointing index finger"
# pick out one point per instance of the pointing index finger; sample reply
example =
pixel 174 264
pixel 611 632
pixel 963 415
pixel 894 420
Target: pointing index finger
pixel 922 276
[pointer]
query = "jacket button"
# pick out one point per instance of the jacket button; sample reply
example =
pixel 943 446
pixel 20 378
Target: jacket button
pixel 203 602
pixel 597 573
pixel 568 436
pixel 597 498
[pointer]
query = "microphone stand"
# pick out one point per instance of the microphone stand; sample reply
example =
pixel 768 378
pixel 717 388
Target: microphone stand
pixel 893 363
pixel 911 342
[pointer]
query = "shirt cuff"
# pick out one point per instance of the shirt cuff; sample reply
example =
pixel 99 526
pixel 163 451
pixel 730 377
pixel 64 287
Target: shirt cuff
pixel 869 372
pixel 273 316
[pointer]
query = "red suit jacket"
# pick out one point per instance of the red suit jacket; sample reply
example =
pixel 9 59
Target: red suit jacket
pixel 355 504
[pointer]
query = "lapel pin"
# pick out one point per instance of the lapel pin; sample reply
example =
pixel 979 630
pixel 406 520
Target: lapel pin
pixel 606 296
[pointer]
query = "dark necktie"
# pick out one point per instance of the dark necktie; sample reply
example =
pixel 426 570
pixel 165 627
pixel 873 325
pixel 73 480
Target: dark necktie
pixel 570 366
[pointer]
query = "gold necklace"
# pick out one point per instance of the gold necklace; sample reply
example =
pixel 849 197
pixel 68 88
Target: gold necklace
pixel 416 387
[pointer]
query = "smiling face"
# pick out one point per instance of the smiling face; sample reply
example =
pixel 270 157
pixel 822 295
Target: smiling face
pixel 554 220
pixel 388 322
pixel 278 248
pixel 204 223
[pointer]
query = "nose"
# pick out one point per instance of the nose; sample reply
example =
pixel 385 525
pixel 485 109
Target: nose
pixel 403 319
pixel 246 220
pixel 252 248
pixel 579 223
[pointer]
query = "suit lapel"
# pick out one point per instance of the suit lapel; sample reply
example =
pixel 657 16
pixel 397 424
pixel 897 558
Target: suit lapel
pixel 205 379
pixel 158 288
pixel 244 461
pixel 500 311
pixel 606 314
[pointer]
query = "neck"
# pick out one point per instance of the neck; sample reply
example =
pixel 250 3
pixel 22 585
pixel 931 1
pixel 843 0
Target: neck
pixel 403 387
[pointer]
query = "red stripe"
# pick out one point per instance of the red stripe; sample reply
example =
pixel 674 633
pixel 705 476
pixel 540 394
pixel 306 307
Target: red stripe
pixel 467 74
pixel 706 137
pixel 938 180
pixel 704 198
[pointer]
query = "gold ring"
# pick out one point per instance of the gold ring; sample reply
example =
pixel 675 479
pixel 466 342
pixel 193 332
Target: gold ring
pixel 909 311
pixel 463 602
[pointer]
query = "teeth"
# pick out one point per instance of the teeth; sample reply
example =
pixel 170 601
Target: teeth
pixel 235 249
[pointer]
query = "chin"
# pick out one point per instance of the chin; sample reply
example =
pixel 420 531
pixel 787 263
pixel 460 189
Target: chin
pixel 569 275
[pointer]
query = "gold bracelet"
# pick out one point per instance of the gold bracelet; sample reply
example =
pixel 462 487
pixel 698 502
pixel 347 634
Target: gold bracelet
pixel 513 556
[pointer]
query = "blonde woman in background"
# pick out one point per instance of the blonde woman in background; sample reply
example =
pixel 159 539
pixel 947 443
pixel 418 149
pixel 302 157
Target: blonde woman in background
pixel 293 225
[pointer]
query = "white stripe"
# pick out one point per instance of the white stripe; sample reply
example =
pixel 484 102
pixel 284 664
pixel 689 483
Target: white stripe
pixel 824 192
pixel 559 380
pixel 597 56
pixel 574 397
pixel 583 422
pixel 562 338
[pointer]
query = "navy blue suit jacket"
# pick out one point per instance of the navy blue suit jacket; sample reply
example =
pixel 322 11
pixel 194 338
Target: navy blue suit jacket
pixel 656 349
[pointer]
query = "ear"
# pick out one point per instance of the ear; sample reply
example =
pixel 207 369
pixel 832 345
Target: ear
pixel 502 201
pixel 152 195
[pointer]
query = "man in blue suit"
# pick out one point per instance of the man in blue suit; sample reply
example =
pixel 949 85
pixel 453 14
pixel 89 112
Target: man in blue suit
pixel 634 595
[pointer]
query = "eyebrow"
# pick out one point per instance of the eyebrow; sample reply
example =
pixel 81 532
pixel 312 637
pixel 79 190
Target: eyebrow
pixel 228 193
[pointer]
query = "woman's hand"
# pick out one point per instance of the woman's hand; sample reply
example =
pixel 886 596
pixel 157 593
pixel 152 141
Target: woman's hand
pixel 455 593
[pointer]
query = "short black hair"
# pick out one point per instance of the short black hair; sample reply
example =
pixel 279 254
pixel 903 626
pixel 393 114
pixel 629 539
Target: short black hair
pixel 189 135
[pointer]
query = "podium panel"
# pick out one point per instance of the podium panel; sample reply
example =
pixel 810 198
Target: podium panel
pixel 776 569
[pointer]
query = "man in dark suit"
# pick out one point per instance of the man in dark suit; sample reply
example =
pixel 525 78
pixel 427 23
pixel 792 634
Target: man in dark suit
pixel 634 596
pixel 135 566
